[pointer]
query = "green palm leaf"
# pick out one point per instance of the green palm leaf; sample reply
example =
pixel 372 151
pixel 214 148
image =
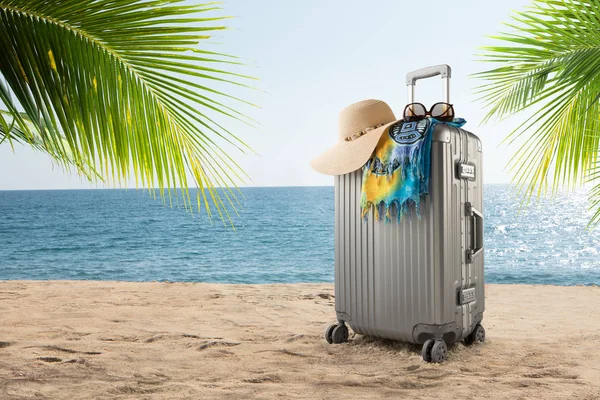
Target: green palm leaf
pixel 550 62
pixel 120 88
pixel 13 132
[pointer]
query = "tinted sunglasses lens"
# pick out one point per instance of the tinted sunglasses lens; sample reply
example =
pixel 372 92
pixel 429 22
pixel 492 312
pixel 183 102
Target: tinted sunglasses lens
pixel 442 111
pixel 414 111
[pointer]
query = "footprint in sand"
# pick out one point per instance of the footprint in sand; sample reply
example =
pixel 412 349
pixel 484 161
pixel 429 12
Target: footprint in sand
pixel 82 361
pixel 550 373
pixel 64 350
pixel 263 379
pixel 324 296
pixel 295 338
pixel 208 345
pixel 134 390
pixel 284 351
pixel 50 359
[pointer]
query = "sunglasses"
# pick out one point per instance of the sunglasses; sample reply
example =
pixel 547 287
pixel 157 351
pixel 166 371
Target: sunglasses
pixel 439 111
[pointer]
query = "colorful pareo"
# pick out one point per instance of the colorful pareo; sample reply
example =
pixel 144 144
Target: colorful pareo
pixel 397 174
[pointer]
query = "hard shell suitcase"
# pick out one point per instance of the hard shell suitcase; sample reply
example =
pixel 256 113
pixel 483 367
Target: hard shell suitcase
pixel 419 280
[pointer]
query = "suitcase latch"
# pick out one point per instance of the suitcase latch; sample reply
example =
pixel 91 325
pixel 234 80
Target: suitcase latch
pixel 467 296
pixel 466 171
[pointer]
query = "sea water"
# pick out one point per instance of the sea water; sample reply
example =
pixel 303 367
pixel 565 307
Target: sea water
pixel 282 235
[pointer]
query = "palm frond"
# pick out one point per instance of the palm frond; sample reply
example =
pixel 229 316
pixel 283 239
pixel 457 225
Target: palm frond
pixel 12 132
pixel 121 86
pixel 594 194
pixel 550 60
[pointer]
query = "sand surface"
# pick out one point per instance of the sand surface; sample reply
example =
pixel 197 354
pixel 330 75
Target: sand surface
pixel 107 340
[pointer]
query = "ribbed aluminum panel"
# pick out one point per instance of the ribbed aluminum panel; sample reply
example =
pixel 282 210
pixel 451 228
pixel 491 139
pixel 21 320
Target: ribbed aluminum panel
pixel 403 280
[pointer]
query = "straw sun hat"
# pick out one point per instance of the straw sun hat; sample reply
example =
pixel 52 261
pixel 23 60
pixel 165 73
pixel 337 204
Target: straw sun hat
pixel 360 127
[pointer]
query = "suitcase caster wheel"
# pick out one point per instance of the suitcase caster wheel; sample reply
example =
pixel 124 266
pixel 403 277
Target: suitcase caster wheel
pixel 439 351
pixel 339 334
pixel 426 351
pixel 477 336
pixel 329 333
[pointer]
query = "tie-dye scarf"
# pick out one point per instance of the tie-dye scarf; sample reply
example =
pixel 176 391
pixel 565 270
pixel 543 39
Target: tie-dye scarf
pixel 398 172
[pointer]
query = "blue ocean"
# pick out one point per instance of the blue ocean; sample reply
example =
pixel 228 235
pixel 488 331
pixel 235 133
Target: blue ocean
pixel 282 235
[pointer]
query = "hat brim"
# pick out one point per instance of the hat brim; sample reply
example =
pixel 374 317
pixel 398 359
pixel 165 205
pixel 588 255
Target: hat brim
pixel 348 156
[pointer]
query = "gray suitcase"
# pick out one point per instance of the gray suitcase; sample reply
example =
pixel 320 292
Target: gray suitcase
pixel 420 280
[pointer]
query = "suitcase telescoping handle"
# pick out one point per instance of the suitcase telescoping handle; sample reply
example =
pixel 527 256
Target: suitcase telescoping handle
pixel 476 232
pixel 412 77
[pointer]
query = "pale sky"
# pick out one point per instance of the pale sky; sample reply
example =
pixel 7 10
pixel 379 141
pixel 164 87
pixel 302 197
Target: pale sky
pixel 314 58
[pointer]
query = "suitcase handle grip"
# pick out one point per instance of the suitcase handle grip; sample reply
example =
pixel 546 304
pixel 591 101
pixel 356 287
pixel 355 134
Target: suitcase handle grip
pixel 443 69
pixel 476 233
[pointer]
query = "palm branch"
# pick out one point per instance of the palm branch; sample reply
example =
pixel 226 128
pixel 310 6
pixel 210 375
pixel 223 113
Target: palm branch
pixel 13 133
pixel 120 89
pixel 550 63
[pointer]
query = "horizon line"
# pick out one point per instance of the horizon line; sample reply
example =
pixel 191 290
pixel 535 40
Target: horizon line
pixel 191 188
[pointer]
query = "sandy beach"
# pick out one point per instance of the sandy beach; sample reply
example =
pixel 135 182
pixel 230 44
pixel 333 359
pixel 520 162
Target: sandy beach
pixel 113 340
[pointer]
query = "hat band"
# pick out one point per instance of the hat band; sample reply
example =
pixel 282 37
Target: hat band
pixel 363 132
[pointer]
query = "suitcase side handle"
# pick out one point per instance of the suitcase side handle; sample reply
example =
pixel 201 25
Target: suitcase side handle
pixel 443 69
pixel 476 233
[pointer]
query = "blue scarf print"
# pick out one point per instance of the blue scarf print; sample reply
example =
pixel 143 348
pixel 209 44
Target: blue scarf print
pixel 397 174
